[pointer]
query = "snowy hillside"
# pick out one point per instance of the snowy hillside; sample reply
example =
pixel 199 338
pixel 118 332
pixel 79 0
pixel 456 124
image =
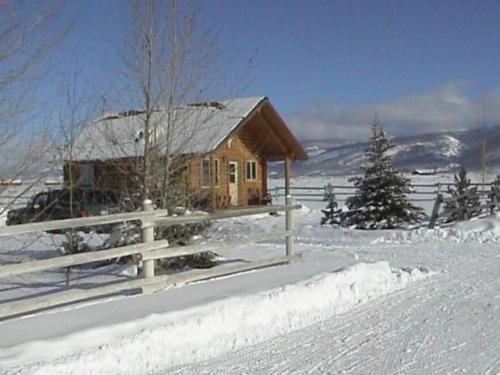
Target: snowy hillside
pixel 441 151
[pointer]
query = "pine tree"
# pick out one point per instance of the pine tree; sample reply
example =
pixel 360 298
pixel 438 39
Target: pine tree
pixel 467 203
pixel 331 212
pixel 380 200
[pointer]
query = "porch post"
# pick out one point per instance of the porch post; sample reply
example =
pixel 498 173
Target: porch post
pixel 287 176
pixel 289 225
pixel 212 171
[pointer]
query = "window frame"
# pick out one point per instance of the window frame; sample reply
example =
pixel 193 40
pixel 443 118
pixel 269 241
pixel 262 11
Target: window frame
pixel 202 173
pixel 252 176
pixel 215 169
pixel 216 172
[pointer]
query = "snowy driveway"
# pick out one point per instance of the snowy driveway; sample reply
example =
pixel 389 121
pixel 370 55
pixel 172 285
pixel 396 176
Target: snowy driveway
pixel 449 323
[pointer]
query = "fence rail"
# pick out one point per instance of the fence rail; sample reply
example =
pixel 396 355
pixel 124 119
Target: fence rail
pixel 460 209
pixel 147 252
pixel 322 193
pixel 14 197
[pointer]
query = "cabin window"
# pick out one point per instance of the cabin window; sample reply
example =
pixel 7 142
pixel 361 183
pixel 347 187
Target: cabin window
pixel 40 201
pixel 216 170
pixel 251 170
pixel 206 173
pixel 87 174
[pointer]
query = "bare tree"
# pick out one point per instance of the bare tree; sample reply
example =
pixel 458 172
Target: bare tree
pixel 27 34
pixel 483 155
pixel 167 62
pixel 76 109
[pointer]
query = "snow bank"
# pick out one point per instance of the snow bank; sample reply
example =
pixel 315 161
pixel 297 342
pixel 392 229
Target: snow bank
pixel 160 341
pixel 476 230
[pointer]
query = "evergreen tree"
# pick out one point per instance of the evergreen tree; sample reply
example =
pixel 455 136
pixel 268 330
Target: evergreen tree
pixel 331 212
pixel 380 200
pixel 467 203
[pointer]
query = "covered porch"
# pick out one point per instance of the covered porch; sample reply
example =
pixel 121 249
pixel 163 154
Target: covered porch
pixel 262 139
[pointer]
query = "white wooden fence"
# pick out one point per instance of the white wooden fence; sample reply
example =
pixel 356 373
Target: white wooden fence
pixel 418 192
pixel 147 252
pixel 490 203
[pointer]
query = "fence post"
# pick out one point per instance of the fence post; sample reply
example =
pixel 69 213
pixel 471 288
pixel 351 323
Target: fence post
pixel 276 193
pixel 289 225
pixel 148 234
pixel 328 192
pixel 435 211
pixel 494 199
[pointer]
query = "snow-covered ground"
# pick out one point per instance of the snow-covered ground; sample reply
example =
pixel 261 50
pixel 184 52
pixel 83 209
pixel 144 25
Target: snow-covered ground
pixel 411 302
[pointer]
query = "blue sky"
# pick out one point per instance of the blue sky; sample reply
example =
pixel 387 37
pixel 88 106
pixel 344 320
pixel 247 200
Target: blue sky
pixel 362 50
pixel 328 66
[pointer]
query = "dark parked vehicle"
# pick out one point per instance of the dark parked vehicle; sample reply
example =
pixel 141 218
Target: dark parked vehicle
pixel 66 204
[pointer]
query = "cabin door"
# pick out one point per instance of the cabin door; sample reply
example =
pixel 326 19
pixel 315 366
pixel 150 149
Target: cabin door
pixel 233 182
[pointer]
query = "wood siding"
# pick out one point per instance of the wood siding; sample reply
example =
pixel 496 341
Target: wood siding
pixel 117 175
pixel 261 136
pixel 240 148
pixel 121 177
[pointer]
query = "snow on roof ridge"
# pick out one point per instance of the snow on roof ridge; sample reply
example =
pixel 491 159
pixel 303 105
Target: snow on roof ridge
pixel 215 122
pixel 223 104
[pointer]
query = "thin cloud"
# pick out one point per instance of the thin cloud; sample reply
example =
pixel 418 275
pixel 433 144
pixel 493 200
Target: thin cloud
pixel 444 108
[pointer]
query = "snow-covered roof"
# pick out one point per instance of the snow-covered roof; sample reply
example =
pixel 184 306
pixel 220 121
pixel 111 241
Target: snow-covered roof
pixel 194 129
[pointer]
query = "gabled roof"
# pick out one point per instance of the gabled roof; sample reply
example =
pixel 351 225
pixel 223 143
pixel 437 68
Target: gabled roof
pixel 195 129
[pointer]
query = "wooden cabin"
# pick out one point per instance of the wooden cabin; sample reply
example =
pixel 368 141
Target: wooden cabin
pixel 220 151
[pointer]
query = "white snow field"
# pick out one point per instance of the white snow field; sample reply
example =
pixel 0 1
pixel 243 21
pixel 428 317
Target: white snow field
pixel 357 302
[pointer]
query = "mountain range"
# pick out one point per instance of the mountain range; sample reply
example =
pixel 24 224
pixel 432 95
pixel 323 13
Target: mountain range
pixel 440 152
pixel 445 151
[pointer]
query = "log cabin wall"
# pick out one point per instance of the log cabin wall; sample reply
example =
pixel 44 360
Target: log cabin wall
pixel 120 175
pixel 241 148
pixel 117 175
pixel 260 137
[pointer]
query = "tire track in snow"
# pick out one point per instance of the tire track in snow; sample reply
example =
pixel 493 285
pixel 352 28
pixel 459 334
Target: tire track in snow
pixel 442 325
pixel 355 341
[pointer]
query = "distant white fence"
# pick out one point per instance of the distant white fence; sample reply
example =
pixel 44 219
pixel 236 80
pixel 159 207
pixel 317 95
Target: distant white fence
pixel 11 201
pixel 18 196
pixel 490 204
pixel 147 251
pixel 418 192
